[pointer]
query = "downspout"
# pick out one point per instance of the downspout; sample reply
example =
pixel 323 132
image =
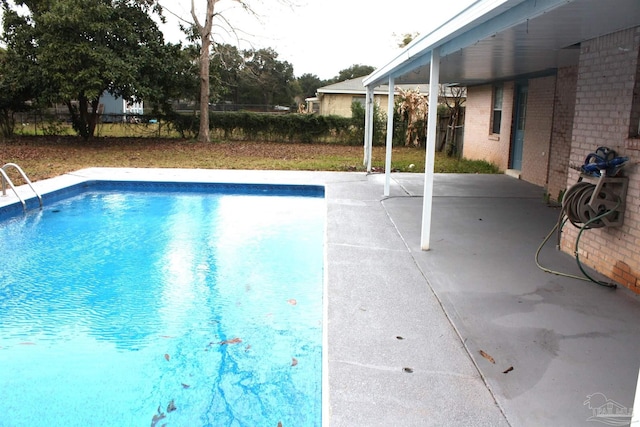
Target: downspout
pixel 387 162
pixel 427 200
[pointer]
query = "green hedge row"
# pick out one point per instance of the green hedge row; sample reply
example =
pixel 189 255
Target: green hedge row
pixel 273 127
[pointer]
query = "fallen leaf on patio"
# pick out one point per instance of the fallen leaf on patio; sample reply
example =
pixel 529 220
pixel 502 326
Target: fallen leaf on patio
pixel 292 301
pixel 167 357
pixel 488 357
pixel 185 385
pixel 509 369
pixel 294 361
pixel 171 406
pixel 231 341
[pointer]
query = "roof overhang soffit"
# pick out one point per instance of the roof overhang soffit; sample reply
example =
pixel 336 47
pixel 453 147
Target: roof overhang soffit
pixel 480 21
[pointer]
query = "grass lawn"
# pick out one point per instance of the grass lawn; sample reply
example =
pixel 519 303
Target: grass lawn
pixel 46 157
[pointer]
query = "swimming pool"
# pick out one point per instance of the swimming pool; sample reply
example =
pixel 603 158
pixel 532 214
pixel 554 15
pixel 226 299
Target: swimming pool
pixel 145 303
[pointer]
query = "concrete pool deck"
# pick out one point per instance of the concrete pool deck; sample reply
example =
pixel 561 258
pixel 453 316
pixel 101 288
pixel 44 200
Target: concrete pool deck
pixel 405 328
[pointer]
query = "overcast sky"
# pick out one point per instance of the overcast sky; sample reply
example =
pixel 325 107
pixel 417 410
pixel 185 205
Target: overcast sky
pixel 321 37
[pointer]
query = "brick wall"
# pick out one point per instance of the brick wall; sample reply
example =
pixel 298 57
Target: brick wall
pixel 563 112
pixel 479 143
pixel 537 133
pixel 607 72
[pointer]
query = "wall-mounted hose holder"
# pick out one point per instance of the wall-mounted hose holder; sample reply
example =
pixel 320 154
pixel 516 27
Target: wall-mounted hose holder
pixel 595 201
pixel 593 197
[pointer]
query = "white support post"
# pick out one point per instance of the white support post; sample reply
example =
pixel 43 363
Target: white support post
pixel 387 162
pixel 427 201
pixel 367 135
pixel 370 112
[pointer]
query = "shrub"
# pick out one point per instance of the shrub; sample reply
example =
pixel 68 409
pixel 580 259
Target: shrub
pixel 358 120
pixel 187 125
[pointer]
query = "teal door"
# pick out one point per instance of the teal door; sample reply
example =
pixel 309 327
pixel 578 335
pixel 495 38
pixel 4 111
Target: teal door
pixel 518 133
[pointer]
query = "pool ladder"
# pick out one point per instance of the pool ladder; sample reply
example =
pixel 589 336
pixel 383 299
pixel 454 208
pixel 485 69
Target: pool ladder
pixel 6 180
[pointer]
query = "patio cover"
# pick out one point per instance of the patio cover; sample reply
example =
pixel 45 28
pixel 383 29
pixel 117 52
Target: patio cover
pixel 492 40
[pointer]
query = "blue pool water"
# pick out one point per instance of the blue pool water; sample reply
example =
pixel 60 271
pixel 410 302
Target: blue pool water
pixel 184 308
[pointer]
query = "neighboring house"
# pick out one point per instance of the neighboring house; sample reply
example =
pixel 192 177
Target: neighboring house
pixel 336 99
pixel 548 82
pixel 117 109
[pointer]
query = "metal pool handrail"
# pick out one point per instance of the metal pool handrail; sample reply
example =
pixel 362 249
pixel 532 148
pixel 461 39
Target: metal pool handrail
pixel 6 180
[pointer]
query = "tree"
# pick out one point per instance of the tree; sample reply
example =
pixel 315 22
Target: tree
pixel 309 84
pixel 16 89
pixel 454 97
pixel 82 48
pixel 264 79
pixel 204 31
pixel 225 67
pixel 205 35
pixel 405 39
pixel 173 80
pixel 413 106
pixel 355 71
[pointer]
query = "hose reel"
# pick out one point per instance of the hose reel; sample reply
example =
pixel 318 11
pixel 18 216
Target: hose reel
pixel 597 200
pixel 585 201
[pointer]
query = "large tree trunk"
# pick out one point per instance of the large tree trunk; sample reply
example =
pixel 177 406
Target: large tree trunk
pixel 7 122
pixel 84 121
pixel 203 132
pixel 205 53
pixel 93 116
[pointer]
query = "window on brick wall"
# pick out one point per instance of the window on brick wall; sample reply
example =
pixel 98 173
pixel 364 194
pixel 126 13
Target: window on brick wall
pixel 496 115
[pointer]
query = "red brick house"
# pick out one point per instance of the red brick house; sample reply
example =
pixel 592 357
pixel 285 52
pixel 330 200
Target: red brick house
pixel 548 82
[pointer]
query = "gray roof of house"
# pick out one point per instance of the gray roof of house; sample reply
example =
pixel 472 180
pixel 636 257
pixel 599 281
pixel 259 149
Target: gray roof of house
pixel 356 87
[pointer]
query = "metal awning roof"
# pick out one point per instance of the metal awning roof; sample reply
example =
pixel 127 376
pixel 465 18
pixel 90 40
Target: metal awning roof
pixel 502 39
pixel 493 40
